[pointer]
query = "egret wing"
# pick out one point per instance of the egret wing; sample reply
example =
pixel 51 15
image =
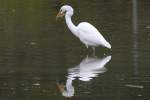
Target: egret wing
pixel 90 34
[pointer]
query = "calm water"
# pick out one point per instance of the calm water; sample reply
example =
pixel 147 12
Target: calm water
pixel 41 60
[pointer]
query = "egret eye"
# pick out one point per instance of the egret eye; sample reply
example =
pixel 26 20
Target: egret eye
pixel 63 11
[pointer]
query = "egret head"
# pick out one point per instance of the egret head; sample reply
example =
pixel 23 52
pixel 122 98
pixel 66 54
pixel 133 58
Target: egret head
pixel 66 9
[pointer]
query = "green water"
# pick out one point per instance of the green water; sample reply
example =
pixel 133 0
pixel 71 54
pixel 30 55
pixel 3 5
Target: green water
pixel 40 59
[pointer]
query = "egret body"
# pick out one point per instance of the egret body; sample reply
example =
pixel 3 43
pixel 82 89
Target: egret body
pixel 85 31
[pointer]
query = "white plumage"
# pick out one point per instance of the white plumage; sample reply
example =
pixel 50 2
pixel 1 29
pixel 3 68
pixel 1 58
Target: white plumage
pixel 86 32
pixel 89 35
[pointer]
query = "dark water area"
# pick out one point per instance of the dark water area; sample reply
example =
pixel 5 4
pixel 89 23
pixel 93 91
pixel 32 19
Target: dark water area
pixel 40 59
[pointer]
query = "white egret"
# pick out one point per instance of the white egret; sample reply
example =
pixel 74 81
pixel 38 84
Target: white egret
pixel 86 32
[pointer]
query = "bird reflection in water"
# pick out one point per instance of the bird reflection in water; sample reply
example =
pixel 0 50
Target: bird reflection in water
pixel 89 68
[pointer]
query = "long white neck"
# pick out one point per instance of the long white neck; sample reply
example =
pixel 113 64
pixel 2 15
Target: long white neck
pixel 70 25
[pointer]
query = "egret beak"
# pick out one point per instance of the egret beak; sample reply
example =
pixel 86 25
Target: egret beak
pixel 59 15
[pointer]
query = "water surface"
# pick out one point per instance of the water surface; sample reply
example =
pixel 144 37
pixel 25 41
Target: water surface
pixel 41 60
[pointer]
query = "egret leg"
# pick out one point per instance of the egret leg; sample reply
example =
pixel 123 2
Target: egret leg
pixel 87 46
pixel 93 51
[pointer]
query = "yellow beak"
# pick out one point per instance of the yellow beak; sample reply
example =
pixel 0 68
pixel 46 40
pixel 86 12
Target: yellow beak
pixel 59 15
